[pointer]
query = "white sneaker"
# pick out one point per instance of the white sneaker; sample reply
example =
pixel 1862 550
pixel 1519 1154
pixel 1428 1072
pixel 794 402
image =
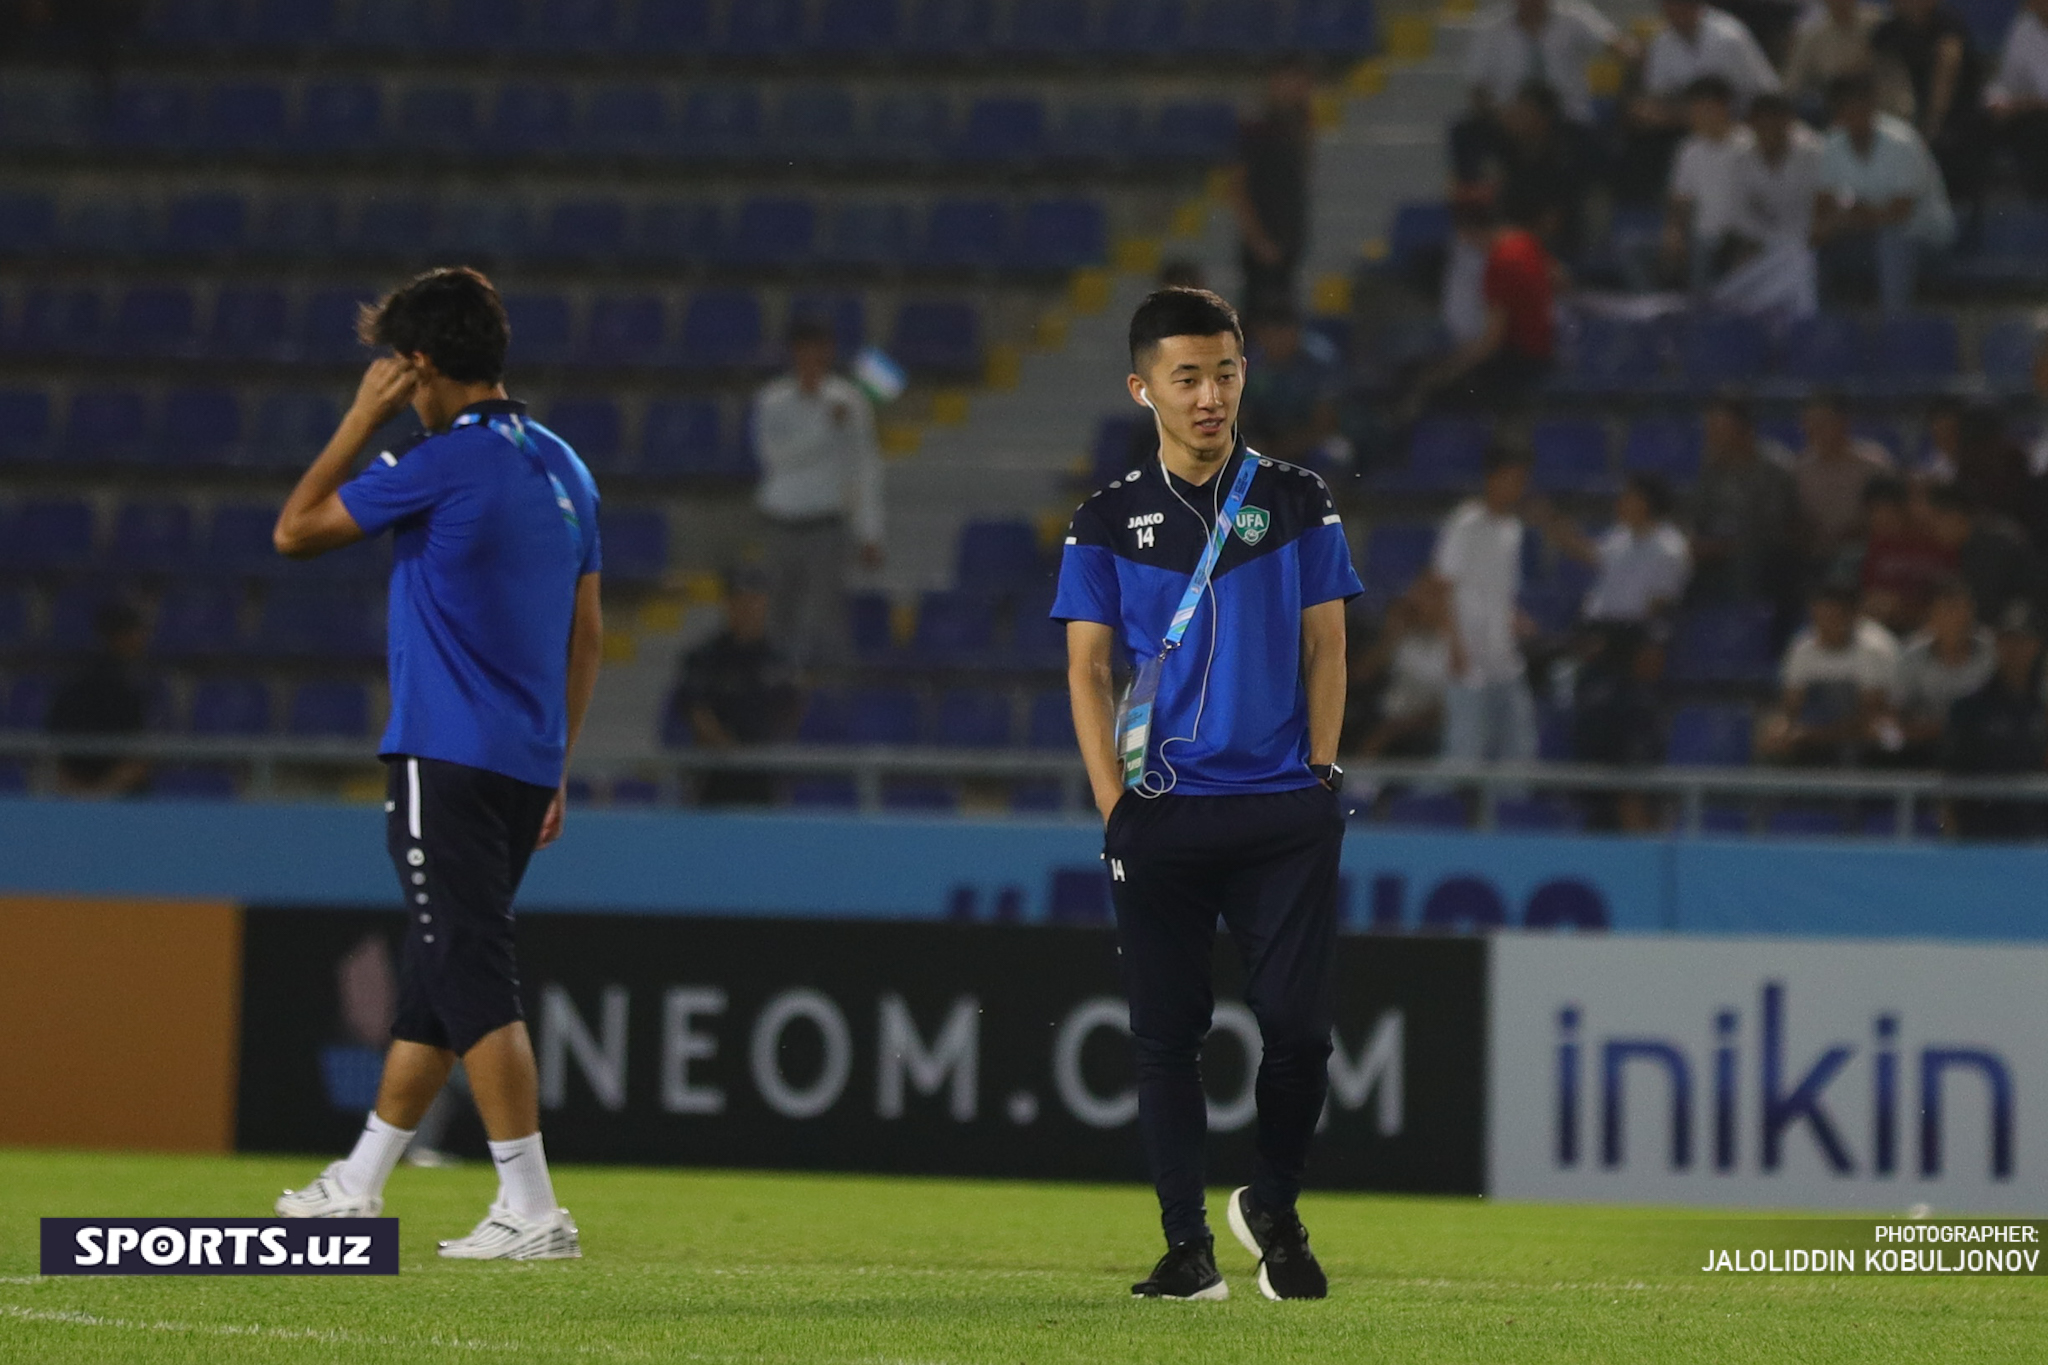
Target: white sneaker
pixel 325 1198
pixel 505 1236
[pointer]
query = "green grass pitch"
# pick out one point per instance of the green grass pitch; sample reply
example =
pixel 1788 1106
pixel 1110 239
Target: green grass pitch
pixel 848 1270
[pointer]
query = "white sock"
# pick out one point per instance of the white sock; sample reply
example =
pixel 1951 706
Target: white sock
pixel 523 1184
pixel 376 1153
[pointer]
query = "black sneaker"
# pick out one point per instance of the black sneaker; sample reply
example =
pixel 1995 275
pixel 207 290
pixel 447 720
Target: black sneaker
pixel 1186 1271
pixel 1287 1268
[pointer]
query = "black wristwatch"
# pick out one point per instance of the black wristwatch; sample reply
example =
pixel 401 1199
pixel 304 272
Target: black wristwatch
pixel 1329 774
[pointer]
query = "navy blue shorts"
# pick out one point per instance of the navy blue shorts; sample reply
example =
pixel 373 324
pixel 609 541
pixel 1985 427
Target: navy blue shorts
pixel 460 838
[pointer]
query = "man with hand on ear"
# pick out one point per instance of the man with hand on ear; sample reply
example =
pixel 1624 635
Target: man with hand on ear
pixel 1220 576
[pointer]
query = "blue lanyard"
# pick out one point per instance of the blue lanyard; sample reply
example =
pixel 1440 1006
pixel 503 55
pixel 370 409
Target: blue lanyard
pixel 1206 567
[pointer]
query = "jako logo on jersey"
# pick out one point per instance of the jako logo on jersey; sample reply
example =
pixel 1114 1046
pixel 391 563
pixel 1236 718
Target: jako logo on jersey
pixel 1149 519
pixel 1252 524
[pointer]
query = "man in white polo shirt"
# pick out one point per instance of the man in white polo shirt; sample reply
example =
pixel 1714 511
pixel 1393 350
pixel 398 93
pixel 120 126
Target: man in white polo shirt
pixel 1489 715
pixel 1696 40
pixel 1883 207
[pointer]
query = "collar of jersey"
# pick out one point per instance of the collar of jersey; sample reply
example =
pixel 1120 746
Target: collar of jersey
pixel 1221 478
pixel 487 408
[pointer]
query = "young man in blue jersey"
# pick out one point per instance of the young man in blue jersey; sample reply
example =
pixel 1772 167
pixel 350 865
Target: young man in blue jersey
pixel 1231 571
pixel 494 643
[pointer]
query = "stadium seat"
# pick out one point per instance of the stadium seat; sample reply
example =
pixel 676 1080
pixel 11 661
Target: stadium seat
pixel 1426 810
pixel 290 428
pixel 1143 28
pixel 291 24
pixel 721 121
pixel 156 320
pixel 635 791
pixel 681 436
pixel 1051 722
pixel 823 793
pixel 667 231
pixel 1710 736
pixel 722 329
pixel 206 224
pixel 24 425
pixel 16 624
pixel 1000 130
pixel 672 25
pixel 192 782
pixel 591 230
pixel 329 709
pixel 1238 28
pixel 529 117
pixel 201 427
pixel 440 118
pixel 999 557
pixel 65 320
pixel 625 329
pixel 1723 644
pixel 920 794
pixel 393 225
pixel 28 223
pixel 74 611
pixel 846 313
pixel 1037 641
pixel 868 233
pixel 1806 822
pixel 1915 351
pixel 972 719
pixel 1029 797
pixel 593 428
pixel 541 327
pixel 816 122
pixel 250 322
pixel 299 226
pixel 1060 234
pixel 631 119
pixel 1718 351
pixel 27 702
pixel 910 125
pixel 1447 453
pixel 1570 456
pixel 1420 234
pixel 865 26
pixel 826 718
pixel 883 715
pixel 109 224
pixel 315 619
pixel 238 540
pixel 230 706
pixel 105 426
pixel 327 331
pixel 1537 815
pixel 953 628
pixel 461 26
pixel 149 113
pixel 1047 28
pixel 949 28
pixel 585 26
pixel 339 116
pixel 1098 133
pixel 869 623
pixel 762 28
pixel 968 233
pixel 1668 447
pixel 1335 26
pixel 1396 553
pixel 244 116
pixel 13 778
pixel 1828 350
pixel 635 544
pixel 938 337
pixel 197 619
pixel 2006 351
pixel 1604 355
pixel 1202 131
pixel 773 231
pixel 151 537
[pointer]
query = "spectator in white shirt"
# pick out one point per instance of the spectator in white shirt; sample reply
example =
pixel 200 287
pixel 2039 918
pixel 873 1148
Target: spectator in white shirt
pixel 1882 208
pixel 1700 210
pixel 1489 715
pixel 2018 96
pixel 1544 42
pixel 820 494
pixel 1775 179
pixel 1947 660
pixel 1838 677
pixel 1410 666
pixel 1696 40
pixel 1834 39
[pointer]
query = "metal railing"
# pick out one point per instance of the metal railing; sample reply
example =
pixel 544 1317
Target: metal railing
pixel 872 767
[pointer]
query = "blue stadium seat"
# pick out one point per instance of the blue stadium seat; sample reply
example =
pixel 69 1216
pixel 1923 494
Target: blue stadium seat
pixel 966 233
pixel 625 329
pixel 329 708
pixel 1710 736
pixel 74 610
pixel 816 121
pixel 478 25
pixel 1826 350
pixel 238 540
pixel 870 624
pixel 1238 28
pixel 106 426
pixel 486 227
pixel 192 25
pixel 151 537
pixel 292 24
pixel 250 322
pixel 1051 28
pixel 762 28
pixel 773 231
pixel 1537 815
pixel 1807 822
pixel 197 619
pixel 949 28
pixel 1111 449
pixel 1570 456
pixel 927 795
pixel 209 224
pixel 999 557
pixel 230 706
pixel 722 121
pixel 1603 355
pixel 635 544
pixel 1421 231
pixel 27 702
pixel 1426 810
pixel 317 619
pixel 824 793
pixel 14 619
pixel 1915 351
pixel 529 116
pixel 1718 351
pixel 1098 132
pixel 1668 447
pixel 1060 234
pixel 1037 641
pixel 1029 797
pixel 244 116
pixel 201 426
pixel 883 715
pixel 399 226
pixel 667 231
pixel 682 436
pixel 192 782
pixel 722 329
pixel 1447 452
pixel 290 428
pixel 825 718
pixel 109 224
pixel 439 118
pixel 909 125
pixel 869 233
pixel 1002 129
pixel 299 226
pixel 13 778
pixel 64 320
pixel 155 320
pixel 24 425
pixel 150 114
pixel 635 791
pixel 1723 644
pixel 340 116
pixel 541 327
pixel 672 25
pixel 52 533
pixel 588 26
pixel 1396 553
pixel 1051 723
pixel 593 427
pixel 2013 241
pixel 866 26
pixel 1143 28
pixel 938 337
pixel 2006 351
pixel 972 719
pixel 585 230
pixel 1335 26
pixel 1193 130
pixel 28 222
pixel 631 119
pixel 327 331
pixel 953 628
pixel 1989 21
pixel 846 313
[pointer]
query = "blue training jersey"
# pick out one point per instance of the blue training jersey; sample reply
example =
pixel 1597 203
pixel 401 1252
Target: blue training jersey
pixel 493 521
pixel 1129 554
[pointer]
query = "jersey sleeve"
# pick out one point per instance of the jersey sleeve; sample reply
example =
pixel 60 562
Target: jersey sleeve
pixel 1327 574
pixel 1088 588
pixel 395 487
pixel 593 549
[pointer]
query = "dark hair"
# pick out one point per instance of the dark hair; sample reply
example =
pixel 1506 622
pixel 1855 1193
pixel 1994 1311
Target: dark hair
pixel 1653 490
pixel 1180 312
pixel 1837 592
pixel 1851 85
pixel 1711 87
pixel 451 315
pixel 1885 489
pixel 1504 455
pixel 1773 102
pixel 811 330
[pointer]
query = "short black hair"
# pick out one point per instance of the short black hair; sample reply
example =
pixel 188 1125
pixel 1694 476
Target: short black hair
pixel 1840 592
pixel 1178 311
pixel 452 315
pixel 1711 87
pixel 812 330
pixel 1654 491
